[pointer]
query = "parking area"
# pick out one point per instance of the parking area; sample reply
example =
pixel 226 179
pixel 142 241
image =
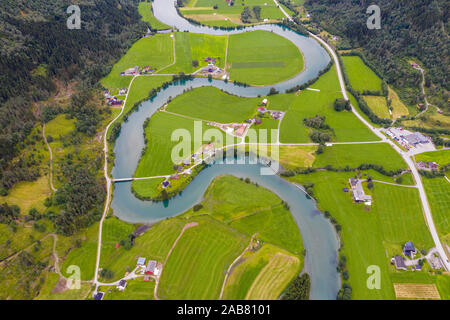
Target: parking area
pixel 413 142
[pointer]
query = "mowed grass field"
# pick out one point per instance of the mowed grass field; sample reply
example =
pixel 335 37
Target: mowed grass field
pixel 210 103
pixel 145 10
pixel 196 46
pixel 256 211
pixel 353 155
pixel 361 77
pixel 210 248
pixel 398 107
pixel 441 157
pixel 378 105
pixel 157 159
pixel 262 57
pixel 156 52
pixel 371 236
pixel 153 244
pixel 135 290
pixel 310 103
pixel 262 274
pixel 438 193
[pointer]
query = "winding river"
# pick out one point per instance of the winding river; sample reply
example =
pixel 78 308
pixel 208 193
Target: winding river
pixel 319 237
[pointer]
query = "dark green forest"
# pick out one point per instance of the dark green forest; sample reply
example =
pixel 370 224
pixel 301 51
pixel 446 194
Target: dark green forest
pixel 409 29
pixel 37 50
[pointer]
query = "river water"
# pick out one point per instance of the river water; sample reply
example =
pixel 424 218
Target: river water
pixel 320 239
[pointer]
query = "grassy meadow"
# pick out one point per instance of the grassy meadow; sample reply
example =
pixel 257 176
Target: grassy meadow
pixel 156 52
pixel 371 236
pixel 261 58
pixel 310 103
pixel 361 77
pixel 145 10
pixel 353 155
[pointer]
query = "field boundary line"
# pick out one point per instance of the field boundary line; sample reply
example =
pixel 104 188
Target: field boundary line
pixel 186 226
pixel 174 56
pixel 232 264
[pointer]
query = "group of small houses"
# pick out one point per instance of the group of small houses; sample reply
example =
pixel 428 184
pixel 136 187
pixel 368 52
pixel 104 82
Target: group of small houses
pixel 409 252
pixel 213 70
pixel 359 196
pixel 112 100
pixel 135 71
pixel 408 140
pixel 433 166
pixel 208 150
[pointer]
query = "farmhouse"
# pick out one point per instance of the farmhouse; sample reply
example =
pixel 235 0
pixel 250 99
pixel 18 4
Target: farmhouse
pixel 399 263
pixel 150 267
pixel 99 295
pixel 409 249
pixel 122 90
pixel 165 183
pixel 122 285
pixel 358 191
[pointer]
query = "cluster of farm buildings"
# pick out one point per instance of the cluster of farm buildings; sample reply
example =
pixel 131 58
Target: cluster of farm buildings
pixel 358 192
pixel 112 100
pixel 135 71
pixel 401 262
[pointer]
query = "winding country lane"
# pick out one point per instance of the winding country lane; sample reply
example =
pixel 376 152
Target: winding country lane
pixel 51 159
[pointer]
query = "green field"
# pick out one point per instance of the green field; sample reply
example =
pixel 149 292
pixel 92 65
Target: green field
pixel 135 290
pixel 310 103
pixel 441 157
pixel 378 106
pixel 438 193
pixel 47 293
pixel 197 265
pixel 262 57
pixel 226 223
pixel 145 10
pixel 353 155
pixel 255 276
pixel 204 12
pixel 371 236
pixel 156 52
pixel 153 244
pixel 210 103
pixel 196 46
pixel 361 77
pixel 83 256
pixel 157 159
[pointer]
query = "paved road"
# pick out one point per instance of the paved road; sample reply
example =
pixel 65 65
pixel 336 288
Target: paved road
pixel 405 156
pixel 108 186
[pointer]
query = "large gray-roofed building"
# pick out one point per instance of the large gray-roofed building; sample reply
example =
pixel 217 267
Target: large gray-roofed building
pixel 416 138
